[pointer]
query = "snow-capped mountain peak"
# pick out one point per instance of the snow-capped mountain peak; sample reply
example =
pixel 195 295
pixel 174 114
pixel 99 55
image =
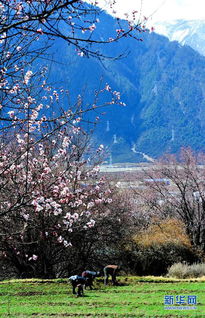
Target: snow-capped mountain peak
pixel 186 32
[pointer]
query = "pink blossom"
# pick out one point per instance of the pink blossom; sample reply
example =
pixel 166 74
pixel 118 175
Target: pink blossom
pixel 92 27
pixel 26 216
pixel 39 107
pixel 2 38
pixel 57 211
pixel 75 216
pixel 44 118
pixel 40 31
pixel 47 207
pixel 66 142
pixel 90 205
pixel 81 54
pixel 38 208
pixel 56 189
pixel 66 244
pixel 11 113
pixel 8 54
pixel 98 201
pixel 91 223
pixel 100 148
pixel 107 87
pixel 119 31
pixel 88 213
pixel 60 239
pixel 27 76
pixel 65 191
pixel 67 216
pixel 47 170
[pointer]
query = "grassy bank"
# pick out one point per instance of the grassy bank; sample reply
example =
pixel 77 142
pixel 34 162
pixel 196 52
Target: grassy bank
pixel 135 297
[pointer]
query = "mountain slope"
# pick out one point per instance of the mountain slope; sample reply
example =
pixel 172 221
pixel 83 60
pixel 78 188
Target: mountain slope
pixel 162 83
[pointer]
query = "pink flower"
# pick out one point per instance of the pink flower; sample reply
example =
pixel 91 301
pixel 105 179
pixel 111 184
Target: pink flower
pixel 40 31
pixel 67 216
pixel 60 239
pixel 75 216
pixel 66 244
pixel 27 76
pixel 98 201
pixel 55 189
pixel 38 208
pixel 57 211
pixel 107 87
pixel 11 113
pixel 120 31
pixel 26 217
pixel 33 258
pixel 92 27
pixel 80 54
pixel 91 223
pixel 47 170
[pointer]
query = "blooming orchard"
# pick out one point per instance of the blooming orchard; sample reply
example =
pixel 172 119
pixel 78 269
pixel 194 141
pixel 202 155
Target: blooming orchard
pixel 48 177
pixel 49 185
pixel 47 192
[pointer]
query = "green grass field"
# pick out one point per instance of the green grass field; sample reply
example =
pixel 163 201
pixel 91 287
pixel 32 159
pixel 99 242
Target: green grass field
pixel 134 297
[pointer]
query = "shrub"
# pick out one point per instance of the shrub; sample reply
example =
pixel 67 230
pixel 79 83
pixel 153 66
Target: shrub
pixel 156 258
pixel 170 231
pixel 183 270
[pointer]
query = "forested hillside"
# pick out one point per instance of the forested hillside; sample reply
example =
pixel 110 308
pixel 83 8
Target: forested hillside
pixel 161 82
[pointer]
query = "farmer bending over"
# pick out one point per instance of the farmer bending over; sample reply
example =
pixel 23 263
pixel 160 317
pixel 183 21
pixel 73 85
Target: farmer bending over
pixel 110 270
pixel 90 276
pixel 77 281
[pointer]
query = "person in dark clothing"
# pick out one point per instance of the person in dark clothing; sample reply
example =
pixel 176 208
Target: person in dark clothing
pixel 80 290
pixel 110 270
pixel 76 281
pixel 90 276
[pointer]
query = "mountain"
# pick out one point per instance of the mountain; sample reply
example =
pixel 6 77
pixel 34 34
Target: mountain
pixel 186 32
pixel 162 83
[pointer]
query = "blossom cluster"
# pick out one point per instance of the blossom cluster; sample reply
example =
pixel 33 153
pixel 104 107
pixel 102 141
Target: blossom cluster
pixel 49 188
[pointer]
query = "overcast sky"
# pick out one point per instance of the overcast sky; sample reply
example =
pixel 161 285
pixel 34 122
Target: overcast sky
pixel 161 10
